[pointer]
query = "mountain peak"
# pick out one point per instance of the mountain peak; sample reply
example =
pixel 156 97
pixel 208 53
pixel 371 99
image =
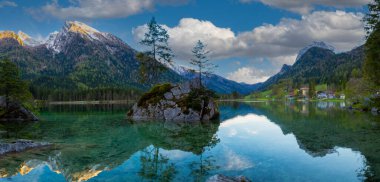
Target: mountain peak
pixel 28 40
pixel 79 27
pixel 57 40
pixel 319 44
pixel 11 35
pixel 23 35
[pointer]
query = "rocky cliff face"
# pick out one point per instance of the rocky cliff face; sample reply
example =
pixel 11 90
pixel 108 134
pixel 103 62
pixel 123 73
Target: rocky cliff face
pixel 187 102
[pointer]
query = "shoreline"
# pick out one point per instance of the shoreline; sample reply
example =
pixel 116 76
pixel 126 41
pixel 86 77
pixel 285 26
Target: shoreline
pixel 133 101
pixel 89 102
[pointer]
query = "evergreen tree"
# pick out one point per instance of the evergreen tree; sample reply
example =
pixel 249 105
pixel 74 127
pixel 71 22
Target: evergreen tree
pixel 157 40
pixel 200 60
pixel 11 85
pixel 372 61
pixel 373 16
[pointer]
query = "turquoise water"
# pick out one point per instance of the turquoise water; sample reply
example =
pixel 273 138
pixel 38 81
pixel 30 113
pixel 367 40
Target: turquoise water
pixel 272 141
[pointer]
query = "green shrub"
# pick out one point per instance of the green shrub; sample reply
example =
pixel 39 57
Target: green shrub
pixel 154 95
pixel 195 98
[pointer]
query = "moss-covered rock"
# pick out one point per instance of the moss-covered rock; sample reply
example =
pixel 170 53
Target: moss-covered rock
pixel 188 102
pixel 154 95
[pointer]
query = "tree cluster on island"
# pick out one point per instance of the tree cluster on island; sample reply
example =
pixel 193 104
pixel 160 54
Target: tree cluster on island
pixel 156 39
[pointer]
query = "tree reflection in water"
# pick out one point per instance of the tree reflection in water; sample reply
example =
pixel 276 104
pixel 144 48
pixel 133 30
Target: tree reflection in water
pixel 156 166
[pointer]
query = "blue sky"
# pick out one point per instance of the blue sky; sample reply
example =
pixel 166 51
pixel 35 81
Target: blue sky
pixel 249 39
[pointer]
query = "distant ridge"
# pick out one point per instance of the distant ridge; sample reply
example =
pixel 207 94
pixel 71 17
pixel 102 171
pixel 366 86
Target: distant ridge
pixel 217 83
pixel 319 62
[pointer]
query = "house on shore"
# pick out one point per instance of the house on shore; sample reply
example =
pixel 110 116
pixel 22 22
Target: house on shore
pixel 322 95
pixel 305 91
pixel 330 95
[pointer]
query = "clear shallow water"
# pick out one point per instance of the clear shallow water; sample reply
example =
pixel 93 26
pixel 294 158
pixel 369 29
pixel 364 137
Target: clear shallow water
pixel 263 141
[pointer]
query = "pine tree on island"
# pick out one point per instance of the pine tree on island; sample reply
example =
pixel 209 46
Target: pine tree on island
pixel 156 40
pixel 201 61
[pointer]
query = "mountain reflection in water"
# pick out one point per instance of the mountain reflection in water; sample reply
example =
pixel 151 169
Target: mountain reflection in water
pixel 268 141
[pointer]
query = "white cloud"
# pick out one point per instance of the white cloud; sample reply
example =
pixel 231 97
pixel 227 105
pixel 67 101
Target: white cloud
pixel 278 43
pixel 184 36
pixel 281 60
pixel 234 161
pixel 304 7
pixel 340 29
pixel 92 9
pixel 7 3
pixel 248 75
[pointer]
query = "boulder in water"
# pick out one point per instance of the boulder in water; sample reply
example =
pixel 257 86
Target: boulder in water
pixel 14 112
pixel 188 102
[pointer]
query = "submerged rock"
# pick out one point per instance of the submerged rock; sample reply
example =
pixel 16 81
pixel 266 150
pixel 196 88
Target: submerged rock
pixel 222 178
pixel 187 102
pixel 20 145
pixel 15 112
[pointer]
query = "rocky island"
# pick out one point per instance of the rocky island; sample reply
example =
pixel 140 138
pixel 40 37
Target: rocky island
pixel 187 102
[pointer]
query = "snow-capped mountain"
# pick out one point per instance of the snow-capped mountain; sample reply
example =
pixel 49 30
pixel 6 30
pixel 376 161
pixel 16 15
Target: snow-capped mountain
pixel 57 40
pixel 11 35
pixel 28 40
pixel 322 45
pixel 79 56
pixel 21 37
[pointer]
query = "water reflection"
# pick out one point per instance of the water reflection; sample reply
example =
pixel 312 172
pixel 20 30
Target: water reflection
pixel 270 141
pixel 86 145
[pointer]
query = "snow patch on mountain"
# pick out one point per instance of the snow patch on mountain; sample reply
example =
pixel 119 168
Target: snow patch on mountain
pixel 50 41
pixel 57 40
pixel 21 37
pixel 83 29
pixel 314 44
pixel 28 40
pixel 180 69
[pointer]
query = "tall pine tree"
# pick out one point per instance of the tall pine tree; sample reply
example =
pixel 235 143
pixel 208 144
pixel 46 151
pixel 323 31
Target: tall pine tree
pixel 372 61
pixel 156 39
pixel 201 61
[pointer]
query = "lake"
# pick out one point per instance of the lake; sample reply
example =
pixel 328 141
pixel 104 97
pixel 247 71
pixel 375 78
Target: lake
pixel 264 141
